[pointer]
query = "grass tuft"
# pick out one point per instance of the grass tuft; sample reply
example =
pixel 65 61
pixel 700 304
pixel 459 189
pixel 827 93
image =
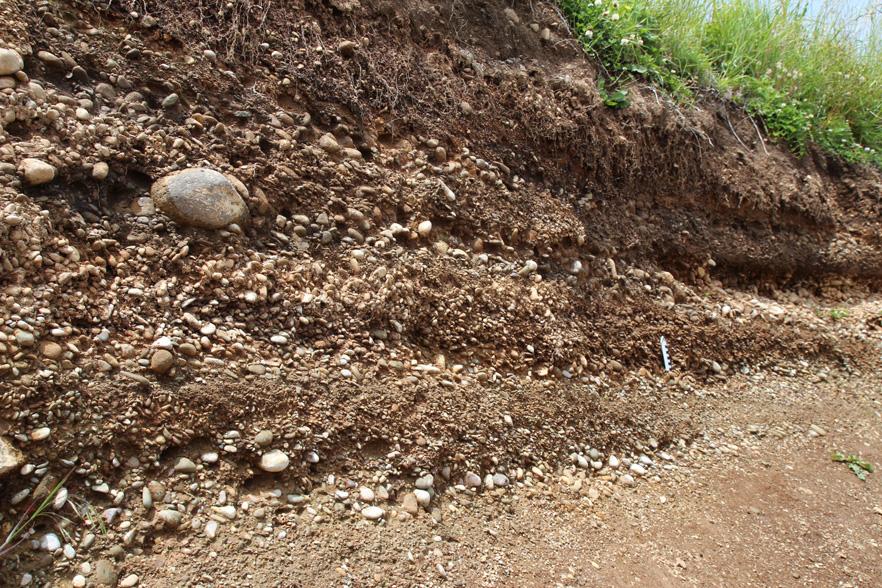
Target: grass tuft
pixel 811 77
pixel 34 513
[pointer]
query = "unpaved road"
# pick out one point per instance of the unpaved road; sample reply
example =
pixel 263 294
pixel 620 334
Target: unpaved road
pixel 756 502
pixel 780 513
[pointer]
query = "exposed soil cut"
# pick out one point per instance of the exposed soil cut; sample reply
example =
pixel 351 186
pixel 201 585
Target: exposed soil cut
pixel 455 261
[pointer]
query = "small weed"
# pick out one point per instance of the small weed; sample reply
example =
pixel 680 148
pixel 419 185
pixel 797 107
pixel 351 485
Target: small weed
pixel 837 314
pixel 87 513
pixel 615 99
pixel 859 467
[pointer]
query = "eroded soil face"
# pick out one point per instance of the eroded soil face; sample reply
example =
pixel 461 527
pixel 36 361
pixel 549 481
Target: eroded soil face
pixel 455 262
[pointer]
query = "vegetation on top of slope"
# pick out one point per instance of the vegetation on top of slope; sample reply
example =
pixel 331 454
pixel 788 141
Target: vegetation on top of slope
pixel 808 77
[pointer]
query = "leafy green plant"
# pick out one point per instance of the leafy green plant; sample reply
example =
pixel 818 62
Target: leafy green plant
pixel 837 314
pixel 34 513
pixel 810 77
pixel 859 467
pixel 784 117
pixel 617 99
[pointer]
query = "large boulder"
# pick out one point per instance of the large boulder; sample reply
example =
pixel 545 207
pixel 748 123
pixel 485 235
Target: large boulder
pixel 10 458
pixel 200 197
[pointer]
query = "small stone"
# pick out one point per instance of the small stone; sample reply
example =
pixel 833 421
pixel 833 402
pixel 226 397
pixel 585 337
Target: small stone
pixel 11 458
pixel 365 494
pixel 228 512
pixel 637 469
pixel 185 466
pixel 627 480
pixel 79 581
pixel 614 462
pixel 105 90
pixel 264 438
pixel 472 480
pixel 500 480
pixel 164 343
pixel 257 369
pixel 210 457
pixel 188 349
pixel 373 513
pixel 329 143
pixel 10 62
pixel 171 518
pixel 19 496
pixel 60 498
pixel 24 338
pixel 410 504
pixel 200 197
pixel 170 101
pixel 274 461
pixel 129 581
pixel 105 573
pixel 36 171
pixel 162 361
pixel 423 498
pixel 211 528
pixel 51 350
pixel 50 542
pixel 100 171
pixel 529 267
pixel 347 48
pixel 49 58
pixel 424 229
pixel 425 482
pixel 40 434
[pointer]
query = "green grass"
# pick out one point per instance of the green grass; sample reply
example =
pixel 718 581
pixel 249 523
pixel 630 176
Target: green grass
pixel 809 80
pixel 34 513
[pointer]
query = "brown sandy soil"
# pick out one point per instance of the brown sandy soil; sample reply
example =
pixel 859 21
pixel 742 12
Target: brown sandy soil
pixel 756 501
